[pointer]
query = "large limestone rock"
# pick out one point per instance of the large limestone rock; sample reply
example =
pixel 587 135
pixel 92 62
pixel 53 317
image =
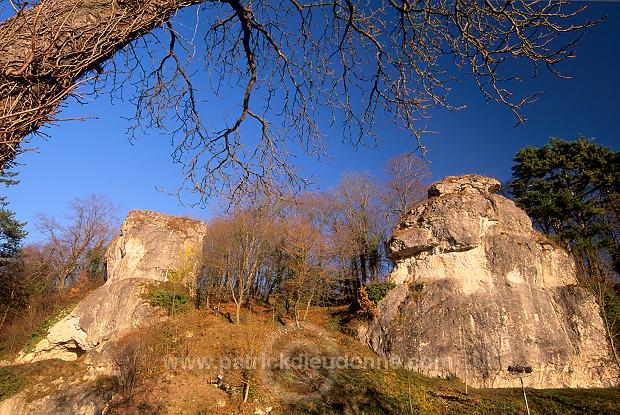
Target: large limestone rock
pixel 478 290
pixel 154 245
pixel 151 247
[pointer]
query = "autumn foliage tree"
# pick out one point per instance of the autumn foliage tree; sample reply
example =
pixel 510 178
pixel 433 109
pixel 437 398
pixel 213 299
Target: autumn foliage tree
pixel 309 261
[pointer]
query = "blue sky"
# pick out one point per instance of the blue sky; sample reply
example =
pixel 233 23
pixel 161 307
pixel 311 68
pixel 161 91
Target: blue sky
pixel 94 156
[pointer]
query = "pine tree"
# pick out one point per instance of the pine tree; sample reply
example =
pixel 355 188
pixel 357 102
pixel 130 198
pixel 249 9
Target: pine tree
pixel 570 189
pixel 12 233
pixel 11 230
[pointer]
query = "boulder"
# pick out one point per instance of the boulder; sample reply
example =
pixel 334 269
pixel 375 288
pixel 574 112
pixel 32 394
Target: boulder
pixel 479 290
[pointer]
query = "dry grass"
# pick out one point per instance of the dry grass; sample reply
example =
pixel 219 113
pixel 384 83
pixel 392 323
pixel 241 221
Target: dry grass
pixel 187 388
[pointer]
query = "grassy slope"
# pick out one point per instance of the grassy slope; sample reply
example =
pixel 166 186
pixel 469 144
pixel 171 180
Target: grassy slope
pixel 186 390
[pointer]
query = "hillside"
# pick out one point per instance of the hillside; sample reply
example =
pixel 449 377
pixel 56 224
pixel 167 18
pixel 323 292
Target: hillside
pixel 208 338
pixel 253 314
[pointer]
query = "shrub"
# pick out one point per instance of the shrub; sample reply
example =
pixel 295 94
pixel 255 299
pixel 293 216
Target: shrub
pixel 376 292
pixel 42 331
pixel 366 305
pixel 417 287
pixel 171 302
pixel 127 358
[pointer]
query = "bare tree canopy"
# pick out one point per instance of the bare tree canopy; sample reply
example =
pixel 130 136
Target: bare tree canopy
pixel 301 66
pixel 83 235
pixel 406 187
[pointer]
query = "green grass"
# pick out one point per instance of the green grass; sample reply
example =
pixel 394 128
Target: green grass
pixel 11 382
pixel 42 331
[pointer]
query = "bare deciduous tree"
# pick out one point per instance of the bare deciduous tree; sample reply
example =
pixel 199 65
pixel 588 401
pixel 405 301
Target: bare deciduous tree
pixel 408 177
pixel 358 226
pixel 234 251
pixel 86 230
pixel 293 62
pixel 308 260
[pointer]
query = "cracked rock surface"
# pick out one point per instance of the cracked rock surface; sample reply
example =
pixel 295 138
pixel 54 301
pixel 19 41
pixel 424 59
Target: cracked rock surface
pixel 478 289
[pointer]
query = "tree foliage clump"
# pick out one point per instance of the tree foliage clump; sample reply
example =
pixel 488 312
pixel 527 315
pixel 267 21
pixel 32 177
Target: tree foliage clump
pixel 12 232
pixel 377 292
pixel 571 189
pixel 366 307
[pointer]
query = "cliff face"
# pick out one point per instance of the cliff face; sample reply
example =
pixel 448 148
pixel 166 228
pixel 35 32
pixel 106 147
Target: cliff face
pixel 151 246
pixel 478 290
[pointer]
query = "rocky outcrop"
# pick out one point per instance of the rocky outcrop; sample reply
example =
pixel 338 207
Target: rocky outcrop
pixel 479 290
pixel 151 247
pixel 154 245
pixel 71 398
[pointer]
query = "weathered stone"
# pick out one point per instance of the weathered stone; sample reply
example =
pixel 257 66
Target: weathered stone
pixel 477 286
pixel 152 247
pixel 469 183
pixel 105 314
pixel 86 398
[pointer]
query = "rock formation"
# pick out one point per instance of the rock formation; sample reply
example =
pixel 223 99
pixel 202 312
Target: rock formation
pixel 151 246
pixel 478 289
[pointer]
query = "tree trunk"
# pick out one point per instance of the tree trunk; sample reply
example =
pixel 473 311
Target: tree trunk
pixel 363 270
pixel 45 51
pixel 296 310
pixel 238 303
pixel 6 312
pixel 238 313
pixel 308 303
pixel 64 276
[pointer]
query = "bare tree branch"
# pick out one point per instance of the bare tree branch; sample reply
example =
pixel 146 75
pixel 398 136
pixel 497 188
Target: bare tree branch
pixel 299 67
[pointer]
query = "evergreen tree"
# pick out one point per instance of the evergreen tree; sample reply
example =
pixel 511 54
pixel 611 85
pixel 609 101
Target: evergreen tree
pixel 11 230
pixel 570 190
pixel 12 233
